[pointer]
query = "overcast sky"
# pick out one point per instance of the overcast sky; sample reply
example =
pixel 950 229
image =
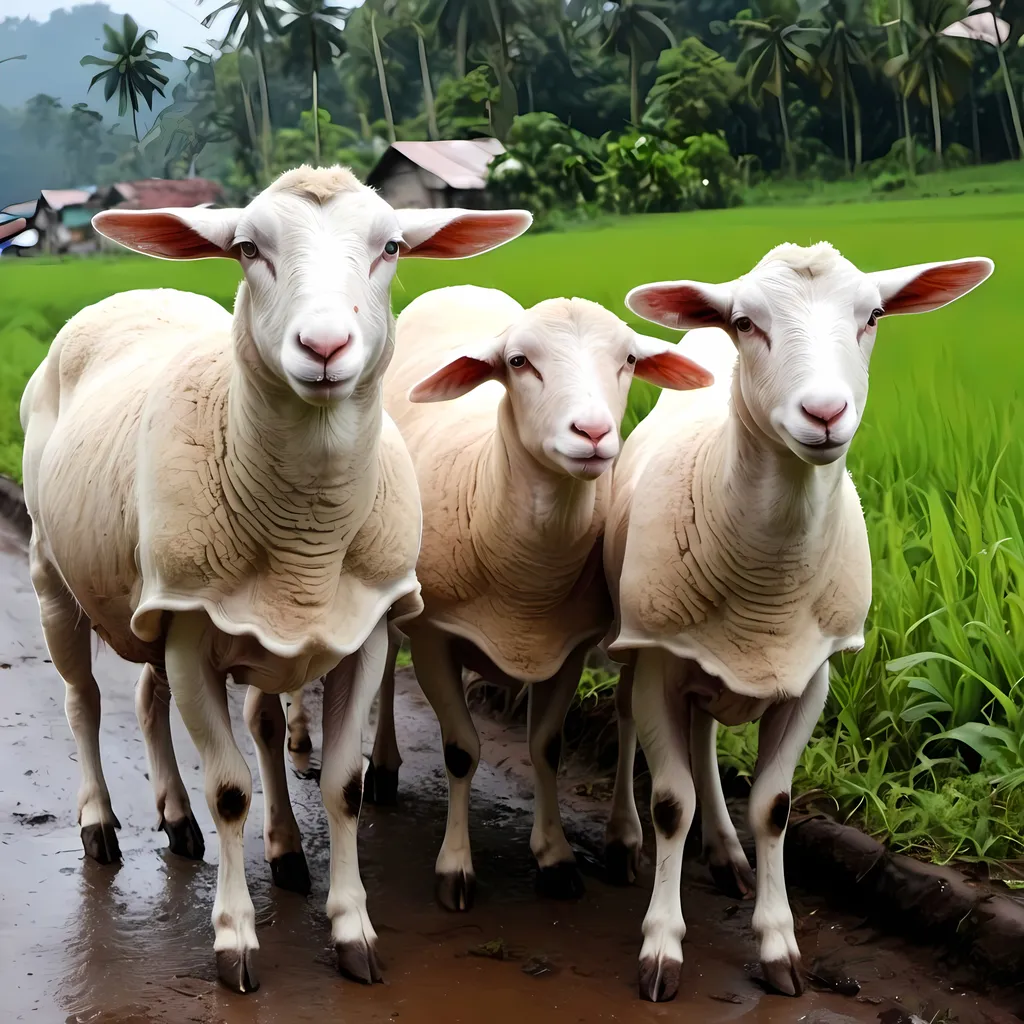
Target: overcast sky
pixel 177 21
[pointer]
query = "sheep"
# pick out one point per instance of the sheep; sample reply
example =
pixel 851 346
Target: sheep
pixel 738 561
pixel 223 495
pixel 513 479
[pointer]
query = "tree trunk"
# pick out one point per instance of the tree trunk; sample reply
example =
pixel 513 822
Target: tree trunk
pixel 316 94
pixel 265 112
pixel 529 91
pixel 780 85
pixel 634 83
pixel 858 135
pixel 975 137
pixel 461 42
pixel 936 117
pixel 1014 111
pixel 249 119
pixel 428 92
pixel 842 119
pixel 382 78
pixel 908 136
pixel 1006 129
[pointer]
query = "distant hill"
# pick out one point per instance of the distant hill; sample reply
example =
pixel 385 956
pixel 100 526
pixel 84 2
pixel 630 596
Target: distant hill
pixel 54 48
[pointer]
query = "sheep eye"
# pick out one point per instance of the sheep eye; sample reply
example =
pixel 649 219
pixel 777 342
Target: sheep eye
pixel 391 249
pixel 875 314
pixel 249 250
pixel 743 324
pixel 517 362
pixel 631 359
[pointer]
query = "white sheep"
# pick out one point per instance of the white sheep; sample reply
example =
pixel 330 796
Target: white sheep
pixel 223 496
pixel 512 470
pixel 737 556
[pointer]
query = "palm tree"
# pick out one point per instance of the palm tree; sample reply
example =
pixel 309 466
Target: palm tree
pixel 366 27
pixel 131 72
pixel 843 48
pixel 937 66
pixel 632 27
pixel 314 29
pixel 775 47
pixel 82 141
pixel 251 23
pixel 20 56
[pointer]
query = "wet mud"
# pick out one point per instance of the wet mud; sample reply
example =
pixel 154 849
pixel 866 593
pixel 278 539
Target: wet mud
pixel 132 944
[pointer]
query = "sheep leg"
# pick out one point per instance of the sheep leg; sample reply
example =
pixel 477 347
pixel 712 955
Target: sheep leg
pixel 201 696
pixel 299 741
pixel 382 777
pixel 67 634
pixel 726 859
pixel 783 733
pixel 282 842
pixel 349 690
pixel 662 714
pixel 558 877
pixel 440 676
pixel 153 710
pixel 624 835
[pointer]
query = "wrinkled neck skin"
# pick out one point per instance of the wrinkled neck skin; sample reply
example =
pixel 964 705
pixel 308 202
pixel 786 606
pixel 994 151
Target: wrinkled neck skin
pixel 533 528
pixel 767 503
pixel 295 466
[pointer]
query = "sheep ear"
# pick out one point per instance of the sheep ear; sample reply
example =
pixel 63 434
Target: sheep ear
pixel 928 286
pixel 460 375
pixel 172 234
pixel 682 305
pixel 663 364
pixel 457 234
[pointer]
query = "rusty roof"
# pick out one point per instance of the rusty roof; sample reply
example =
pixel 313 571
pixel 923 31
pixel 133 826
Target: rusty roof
pixel 58 198
pixel 459 163
pixel 156 193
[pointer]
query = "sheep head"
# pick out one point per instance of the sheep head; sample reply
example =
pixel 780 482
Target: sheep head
pixel 804 322
pixel 566 365
pixel 318 251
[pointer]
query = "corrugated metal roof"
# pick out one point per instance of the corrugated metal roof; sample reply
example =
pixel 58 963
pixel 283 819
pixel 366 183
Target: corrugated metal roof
pixel 26 209
pixel 156 193
pixel 459 163
pixel 58 198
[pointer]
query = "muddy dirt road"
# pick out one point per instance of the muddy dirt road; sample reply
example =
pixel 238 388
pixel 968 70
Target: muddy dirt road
pixel 132 944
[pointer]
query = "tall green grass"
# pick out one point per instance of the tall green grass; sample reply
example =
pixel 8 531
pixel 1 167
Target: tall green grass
pixel 922 740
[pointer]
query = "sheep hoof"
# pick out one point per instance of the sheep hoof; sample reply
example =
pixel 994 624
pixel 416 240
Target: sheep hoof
pixel 735 880
pixel 659 979
pixel 455 891
pixel 784 976
pixel 185 838
pixel 291 872
pixel 236 969
pixel 100 842
pixel 358 961
pixel 561 881
pixel 621 862
pixel 381 785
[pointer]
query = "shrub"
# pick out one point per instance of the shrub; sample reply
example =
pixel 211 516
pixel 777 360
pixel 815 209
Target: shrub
pixel 888 182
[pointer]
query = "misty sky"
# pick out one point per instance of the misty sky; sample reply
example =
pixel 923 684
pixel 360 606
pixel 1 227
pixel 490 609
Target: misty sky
pixel 177 21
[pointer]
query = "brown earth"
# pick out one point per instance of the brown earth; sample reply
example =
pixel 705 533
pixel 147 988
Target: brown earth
pixel 131 944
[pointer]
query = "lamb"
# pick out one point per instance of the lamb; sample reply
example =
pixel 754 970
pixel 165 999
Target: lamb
pixel 219 495
pixel 513 479
pixel 738 561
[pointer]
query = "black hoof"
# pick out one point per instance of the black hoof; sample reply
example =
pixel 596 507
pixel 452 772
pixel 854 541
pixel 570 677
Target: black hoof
pixel 358 961
pixel 456 891
pixel 290 872
pixel 302 745
pixel 237 970
pixel 381 785
pixel 100 842
pixel 784 976
pixel 659 979
pixel 620 863
pixel 185 838
pixel 560 881
pixel 733 880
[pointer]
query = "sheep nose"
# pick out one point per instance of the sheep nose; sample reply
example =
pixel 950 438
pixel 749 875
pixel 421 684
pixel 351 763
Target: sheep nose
pixel 592 431
pixel 824 411
pixel 325 346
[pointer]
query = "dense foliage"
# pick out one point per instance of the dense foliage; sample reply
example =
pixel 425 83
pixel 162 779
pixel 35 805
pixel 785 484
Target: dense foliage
pixel 656 95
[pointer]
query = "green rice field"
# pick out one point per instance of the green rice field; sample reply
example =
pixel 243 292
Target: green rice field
pixel 923 738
